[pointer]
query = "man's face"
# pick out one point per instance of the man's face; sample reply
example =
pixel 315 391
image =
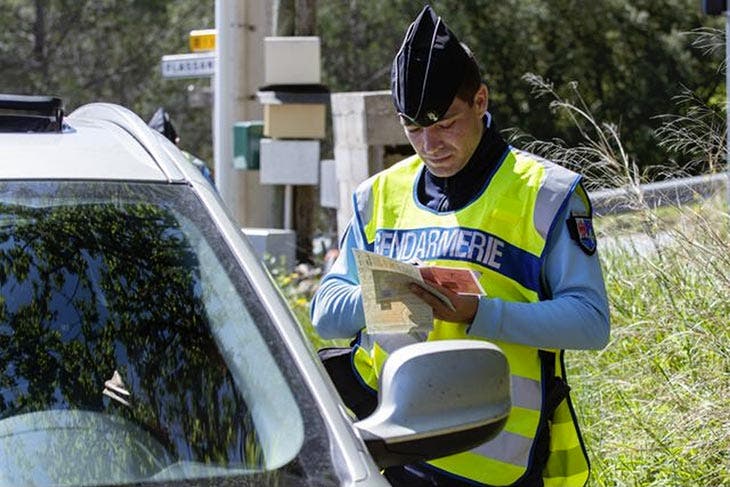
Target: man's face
pixel 446 146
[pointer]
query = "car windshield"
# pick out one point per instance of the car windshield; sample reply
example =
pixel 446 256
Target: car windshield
pixel 132 347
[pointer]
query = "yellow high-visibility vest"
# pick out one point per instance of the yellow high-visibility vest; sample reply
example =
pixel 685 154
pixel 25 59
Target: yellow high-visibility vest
pixel 502 235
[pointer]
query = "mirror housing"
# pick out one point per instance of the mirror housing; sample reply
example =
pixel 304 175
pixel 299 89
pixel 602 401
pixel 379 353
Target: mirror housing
pixel 437 398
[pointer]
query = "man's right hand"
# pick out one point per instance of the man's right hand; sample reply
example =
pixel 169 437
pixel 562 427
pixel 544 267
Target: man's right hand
pixel 465 306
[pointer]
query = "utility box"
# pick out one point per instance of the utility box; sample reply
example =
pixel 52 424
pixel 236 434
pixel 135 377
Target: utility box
pixel 246 144
pixel 292 60
pixel 294 162
pixel 294 121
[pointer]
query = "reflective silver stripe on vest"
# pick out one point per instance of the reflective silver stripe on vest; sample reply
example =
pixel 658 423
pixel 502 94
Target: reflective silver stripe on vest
pixel 507 447
pixel 362 202
pixel 550 198
pixel 526 393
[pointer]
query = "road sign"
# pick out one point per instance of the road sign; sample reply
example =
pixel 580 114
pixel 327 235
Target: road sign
pixel 202 40
pixel 195 65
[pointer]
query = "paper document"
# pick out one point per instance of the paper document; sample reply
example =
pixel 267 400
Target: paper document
pixel 390 307
pixel 461 281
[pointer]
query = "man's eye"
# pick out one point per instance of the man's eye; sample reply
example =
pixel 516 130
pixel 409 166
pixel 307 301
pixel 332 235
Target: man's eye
pixel 446 125
pixel 411 129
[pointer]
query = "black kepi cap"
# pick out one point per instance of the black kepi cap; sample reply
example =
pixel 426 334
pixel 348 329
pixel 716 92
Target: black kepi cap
pixel 428 70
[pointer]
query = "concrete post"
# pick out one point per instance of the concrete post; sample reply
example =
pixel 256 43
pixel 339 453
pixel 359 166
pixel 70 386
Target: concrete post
pixel 241 27
pixel 363 123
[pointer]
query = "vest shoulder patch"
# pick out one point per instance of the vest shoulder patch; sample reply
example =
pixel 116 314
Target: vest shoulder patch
pixel 581 231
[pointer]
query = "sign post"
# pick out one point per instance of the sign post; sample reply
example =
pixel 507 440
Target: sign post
pixel 230 56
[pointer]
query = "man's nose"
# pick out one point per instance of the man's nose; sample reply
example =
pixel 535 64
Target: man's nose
pixel 431 139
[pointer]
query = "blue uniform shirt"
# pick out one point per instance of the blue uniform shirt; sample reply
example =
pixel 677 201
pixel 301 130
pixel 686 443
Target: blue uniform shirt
pixel 575 317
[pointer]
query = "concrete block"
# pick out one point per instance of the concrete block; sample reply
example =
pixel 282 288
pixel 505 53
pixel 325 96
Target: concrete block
pixel 347 121
pixel 329 191
pixel 292 60
pixel 294 121
pixel 363 124
pixel 383 126
pixel 273 243
pixel 366 118
pixel 294 162
pixel 352 164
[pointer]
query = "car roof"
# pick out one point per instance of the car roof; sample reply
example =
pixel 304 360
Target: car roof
pixel 98 141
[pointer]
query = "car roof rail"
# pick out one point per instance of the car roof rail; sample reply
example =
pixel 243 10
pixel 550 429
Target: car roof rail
pixel 23 113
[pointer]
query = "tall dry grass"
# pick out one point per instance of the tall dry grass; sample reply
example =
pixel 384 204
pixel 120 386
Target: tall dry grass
pixel 655 403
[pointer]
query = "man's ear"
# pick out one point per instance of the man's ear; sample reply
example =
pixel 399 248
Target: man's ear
pixel 481 98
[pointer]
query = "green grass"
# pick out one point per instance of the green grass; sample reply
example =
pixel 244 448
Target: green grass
pixel 654 404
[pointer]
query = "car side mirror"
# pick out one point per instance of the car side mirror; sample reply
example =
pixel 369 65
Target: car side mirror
pixel 436 399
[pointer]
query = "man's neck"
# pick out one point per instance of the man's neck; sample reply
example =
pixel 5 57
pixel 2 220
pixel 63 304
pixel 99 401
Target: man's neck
pixel 455 192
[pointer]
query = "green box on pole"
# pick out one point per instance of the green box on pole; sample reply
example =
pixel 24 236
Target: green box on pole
pixel 246 139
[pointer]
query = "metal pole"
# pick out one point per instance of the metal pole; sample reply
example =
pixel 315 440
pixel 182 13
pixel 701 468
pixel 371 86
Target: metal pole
pixel 241 26
pixel 288 206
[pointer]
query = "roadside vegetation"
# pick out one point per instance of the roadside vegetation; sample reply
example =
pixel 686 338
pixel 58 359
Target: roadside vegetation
pixel 655 403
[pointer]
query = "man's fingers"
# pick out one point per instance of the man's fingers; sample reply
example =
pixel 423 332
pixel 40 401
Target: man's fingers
pixel 429 298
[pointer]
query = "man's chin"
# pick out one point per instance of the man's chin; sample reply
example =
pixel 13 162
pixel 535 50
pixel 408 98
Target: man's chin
pixel 441 169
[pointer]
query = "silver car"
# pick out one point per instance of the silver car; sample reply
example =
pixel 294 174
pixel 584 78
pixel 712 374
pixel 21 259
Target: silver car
pixel 141 340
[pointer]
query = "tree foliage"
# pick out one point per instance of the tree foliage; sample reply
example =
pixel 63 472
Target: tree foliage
pixel 630 59
pixel 106 50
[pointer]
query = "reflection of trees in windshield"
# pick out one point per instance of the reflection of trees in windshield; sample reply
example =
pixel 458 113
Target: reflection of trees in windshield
pixel 90 289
